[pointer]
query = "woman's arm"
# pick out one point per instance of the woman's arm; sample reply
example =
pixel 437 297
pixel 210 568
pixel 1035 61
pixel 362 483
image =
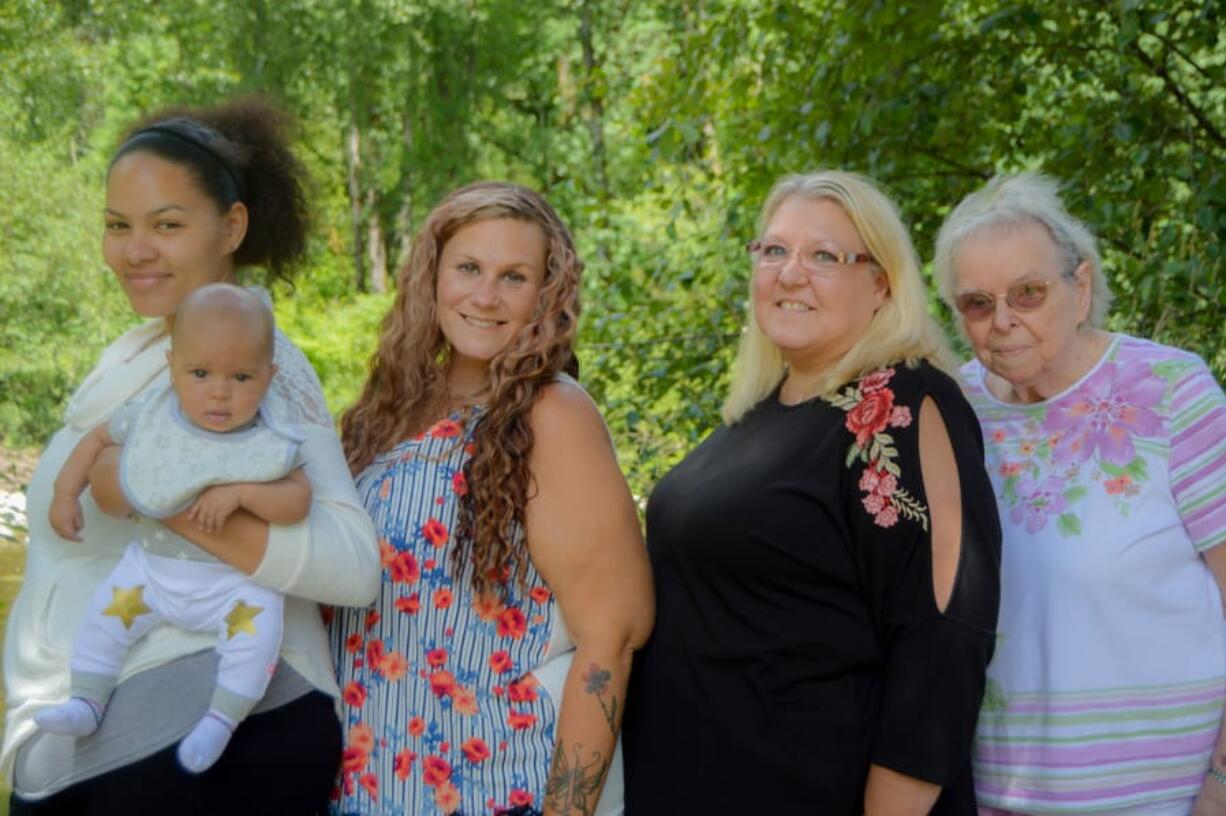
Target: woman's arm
pixel 1211 801
pixel 583 536
pixel 65 514
pixel 1198 472
pixel 889 792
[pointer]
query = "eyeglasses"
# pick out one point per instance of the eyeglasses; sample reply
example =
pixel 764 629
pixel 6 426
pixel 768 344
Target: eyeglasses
pixel 1021 297
pixel 775 256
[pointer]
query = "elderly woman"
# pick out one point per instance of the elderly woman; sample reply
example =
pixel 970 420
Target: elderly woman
pixel 826 561
pixel 1108 454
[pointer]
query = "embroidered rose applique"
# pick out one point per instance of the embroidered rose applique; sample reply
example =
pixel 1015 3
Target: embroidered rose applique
pixel 871 412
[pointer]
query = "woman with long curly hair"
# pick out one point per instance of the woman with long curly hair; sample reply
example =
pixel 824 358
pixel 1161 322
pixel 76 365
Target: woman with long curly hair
pixel 490 673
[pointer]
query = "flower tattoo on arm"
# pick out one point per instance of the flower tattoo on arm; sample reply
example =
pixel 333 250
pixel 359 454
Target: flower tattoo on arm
pixel 597 680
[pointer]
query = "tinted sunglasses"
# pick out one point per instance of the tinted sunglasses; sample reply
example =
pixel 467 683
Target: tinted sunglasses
pixel 1021 297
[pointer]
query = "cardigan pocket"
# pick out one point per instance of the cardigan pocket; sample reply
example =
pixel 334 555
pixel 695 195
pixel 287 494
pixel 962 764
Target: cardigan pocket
pixel 42 626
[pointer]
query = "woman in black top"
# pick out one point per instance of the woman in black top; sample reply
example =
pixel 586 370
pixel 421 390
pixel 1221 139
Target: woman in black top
pixel 826 562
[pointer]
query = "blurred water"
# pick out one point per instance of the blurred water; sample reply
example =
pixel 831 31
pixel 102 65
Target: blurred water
pixel 12 516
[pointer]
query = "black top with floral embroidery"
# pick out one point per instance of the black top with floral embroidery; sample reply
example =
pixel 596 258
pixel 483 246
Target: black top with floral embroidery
pixel 797 637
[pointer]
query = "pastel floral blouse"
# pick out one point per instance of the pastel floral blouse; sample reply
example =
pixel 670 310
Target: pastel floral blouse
pixel 440 710
pixel 1107 687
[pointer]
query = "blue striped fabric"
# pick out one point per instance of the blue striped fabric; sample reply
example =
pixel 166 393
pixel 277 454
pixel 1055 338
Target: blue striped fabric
pixel 440 712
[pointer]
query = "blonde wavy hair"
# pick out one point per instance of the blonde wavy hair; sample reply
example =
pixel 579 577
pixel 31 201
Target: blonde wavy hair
pixel 901 330
pixel 408 375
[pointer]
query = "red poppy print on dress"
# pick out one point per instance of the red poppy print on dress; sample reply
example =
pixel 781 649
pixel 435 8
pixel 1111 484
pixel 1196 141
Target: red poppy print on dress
pixel 519 720
pixel 354 760
pixel 464 701
pixel 435 770
pixel 436 657
pixel 442 598
pixel 522 691
pixel 374 654
pixel 500 661
pixel 488 607
pixel 362 737
pixel 512 623
pixel 447 798
pixel 354 694
pixel 403 764
pixel 394 667
pixel 387 553
pixel 408 604
pixel 370 784
pixel 416 726
pixel 446 429
pixel 475 750
pixel 442 683
pixel 435 532
pixel 404 568
pixel 459 483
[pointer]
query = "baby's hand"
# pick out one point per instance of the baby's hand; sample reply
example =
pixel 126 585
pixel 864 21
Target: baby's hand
pixel 214 506
pixel 66 517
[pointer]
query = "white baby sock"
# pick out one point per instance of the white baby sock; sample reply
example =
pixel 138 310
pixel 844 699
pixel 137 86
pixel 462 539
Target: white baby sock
pixel 77 718
pixel 203 746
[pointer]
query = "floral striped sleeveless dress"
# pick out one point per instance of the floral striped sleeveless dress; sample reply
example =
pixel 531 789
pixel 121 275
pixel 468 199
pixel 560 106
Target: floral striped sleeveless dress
pixel 440 711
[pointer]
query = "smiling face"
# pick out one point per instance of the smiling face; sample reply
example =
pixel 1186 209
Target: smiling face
pixel 490 275
pixel 1034 351
pixel 220 369
pixel 164 237
pixel 815 317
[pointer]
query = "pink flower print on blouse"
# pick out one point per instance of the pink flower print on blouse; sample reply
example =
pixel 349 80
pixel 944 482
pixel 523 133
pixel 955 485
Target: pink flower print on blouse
pixel 1104 413
pixel 1037 501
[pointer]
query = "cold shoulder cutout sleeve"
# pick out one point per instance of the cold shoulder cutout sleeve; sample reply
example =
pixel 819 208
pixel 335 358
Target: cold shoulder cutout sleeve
pixel 935 650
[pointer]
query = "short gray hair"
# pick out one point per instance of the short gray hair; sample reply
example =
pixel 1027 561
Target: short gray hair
pixel 1010 200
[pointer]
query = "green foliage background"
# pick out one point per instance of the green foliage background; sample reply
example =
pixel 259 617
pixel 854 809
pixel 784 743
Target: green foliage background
pixel 656 128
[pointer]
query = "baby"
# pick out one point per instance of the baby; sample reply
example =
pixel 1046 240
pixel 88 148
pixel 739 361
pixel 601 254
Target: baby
pixel 204 445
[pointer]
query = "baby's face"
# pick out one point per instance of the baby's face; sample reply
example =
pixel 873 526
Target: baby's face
pixel 220 374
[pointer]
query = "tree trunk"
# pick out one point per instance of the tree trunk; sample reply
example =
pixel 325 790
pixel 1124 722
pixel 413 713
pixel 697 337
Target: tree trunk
pixel 594 97
pixel 353 166
pixel 404 215
pixel 376 247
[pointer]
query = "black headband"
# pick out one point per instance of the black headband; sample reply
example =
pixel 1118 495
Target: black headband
pixel 187 131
